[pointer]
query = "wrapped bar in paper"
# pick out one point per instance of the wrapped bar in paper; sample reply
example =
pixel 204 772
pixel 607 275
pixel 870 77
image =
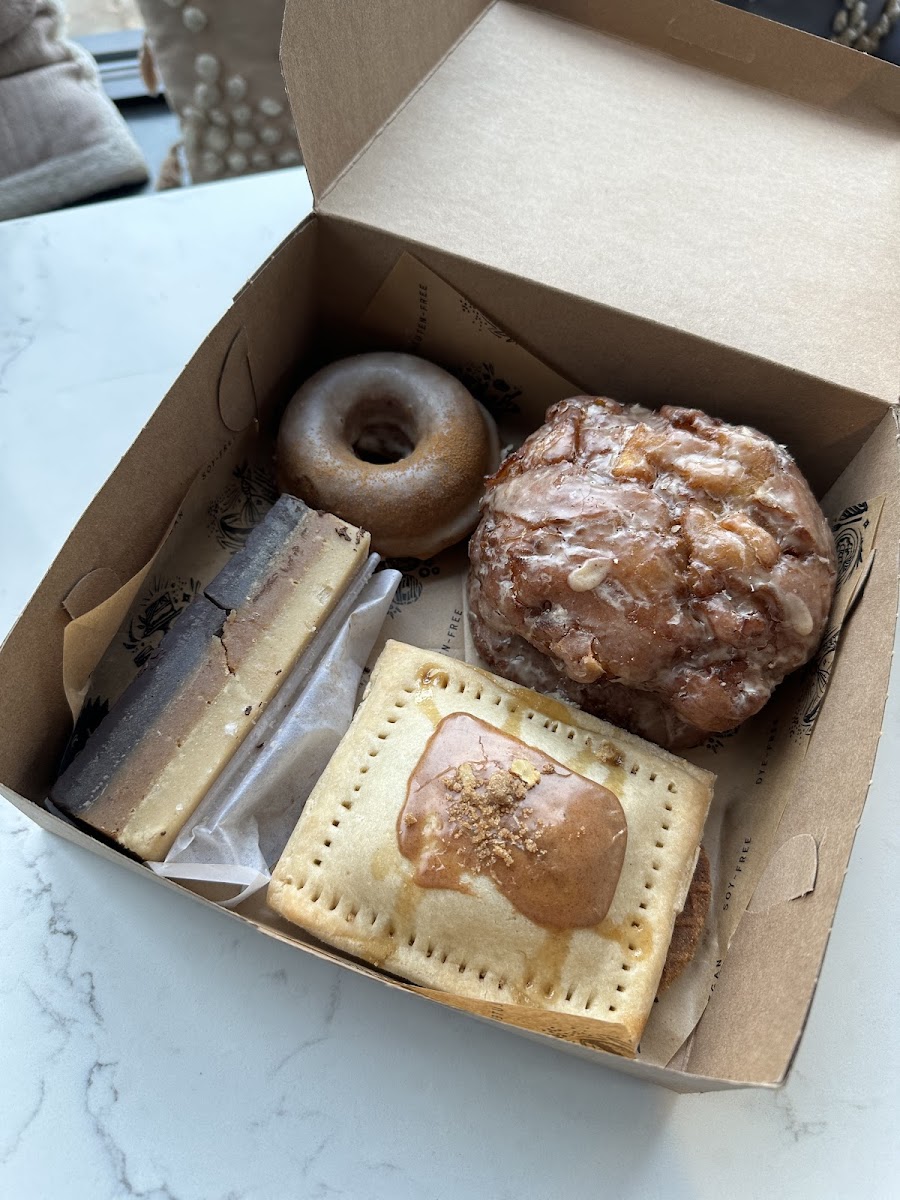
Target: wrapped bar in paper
pixel 243 823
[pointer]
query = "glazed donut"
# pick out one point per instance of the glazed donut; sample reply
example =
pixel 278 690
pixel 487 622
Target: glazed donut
pixel 393 444
pixel 664 570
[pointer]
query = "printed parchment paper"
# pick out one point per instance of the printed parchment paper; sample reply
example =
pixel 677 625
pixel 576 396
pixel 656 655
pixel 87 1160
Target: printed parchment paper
pixel 107 647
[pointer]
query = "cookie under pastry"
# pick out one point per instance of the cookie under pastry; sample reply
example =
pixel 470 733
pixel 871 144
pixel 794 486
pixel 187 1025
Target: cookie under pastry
pixel 689 923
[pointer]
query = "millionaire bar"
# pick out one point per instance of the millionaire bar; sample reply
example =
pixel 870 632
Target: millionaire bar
pixel 155 755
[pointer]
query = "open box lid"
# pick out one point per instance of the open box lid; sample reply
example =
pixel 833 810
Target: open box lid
pixel 680 160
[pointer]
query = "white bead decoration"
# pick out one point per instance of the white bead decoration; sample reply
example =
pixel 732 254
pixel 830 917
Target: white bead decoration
pixel 242 114
pixel 851 25
pixel 236 88
pixel 194 19
pixel 244 139
pixel 207 67
pixel 217 139
pixel 270 135
pixel 206 95
pixel 211 163
pixel 289 158
pixel 220 118
pixel 236 161
pixel 260 159
pixel 270 107
pixel 193 115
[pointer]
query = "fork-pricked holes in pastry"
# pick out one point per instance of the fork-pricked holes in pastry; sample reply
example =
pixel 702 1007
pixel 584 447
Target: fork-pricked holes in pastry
pixel 425 947
pixel 446 956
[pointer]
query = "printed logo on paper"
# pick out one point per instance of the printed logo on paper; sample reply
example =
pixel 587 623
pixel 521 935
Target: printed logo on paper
pixel 716 741
pixel 498 395
pixel 480 321
pixel 413 572
pixel 159 607
pixel 851 535
pixel 248 497
pixel 819 674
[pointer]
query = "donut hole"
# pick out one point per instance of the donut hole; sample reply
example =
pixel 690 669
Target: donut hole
pixel 382 442
pixel 381 429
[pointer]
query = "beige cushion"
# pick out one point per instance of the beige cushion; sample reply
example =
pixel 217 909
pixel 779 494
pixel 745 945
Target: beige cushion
pixel 61 138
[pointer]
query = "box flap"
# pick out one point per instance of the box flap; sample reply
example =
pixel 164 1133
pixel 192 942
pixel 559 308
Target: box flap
pixel 678 159
pixel 349 67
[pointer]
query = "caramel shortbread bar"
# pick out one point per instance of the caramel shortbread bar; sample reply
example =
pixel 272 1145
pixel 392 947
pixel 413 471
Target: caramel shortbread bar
pixel 154 756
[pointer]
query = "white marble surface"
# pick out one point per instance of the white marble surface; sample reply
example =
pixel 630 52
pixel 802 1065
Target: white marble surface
pixel 150 1048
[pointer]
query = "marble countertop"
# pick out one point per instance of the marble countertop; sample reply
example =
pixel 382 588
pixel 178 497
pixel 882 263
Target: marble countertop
pixel 151 1049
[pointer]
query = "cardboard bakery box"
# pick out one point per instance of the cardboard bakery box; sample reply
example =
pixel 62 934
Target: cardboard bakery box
pixel 670 201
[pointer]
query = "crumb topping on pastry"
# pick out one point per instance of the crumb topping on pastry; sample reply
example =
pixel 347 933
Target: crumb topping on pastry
pixel 482 803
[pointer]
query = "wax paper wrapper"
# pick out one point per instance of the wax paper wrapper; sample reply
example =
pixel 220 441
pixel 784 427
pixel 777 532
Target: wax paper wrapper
pixel 243 823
